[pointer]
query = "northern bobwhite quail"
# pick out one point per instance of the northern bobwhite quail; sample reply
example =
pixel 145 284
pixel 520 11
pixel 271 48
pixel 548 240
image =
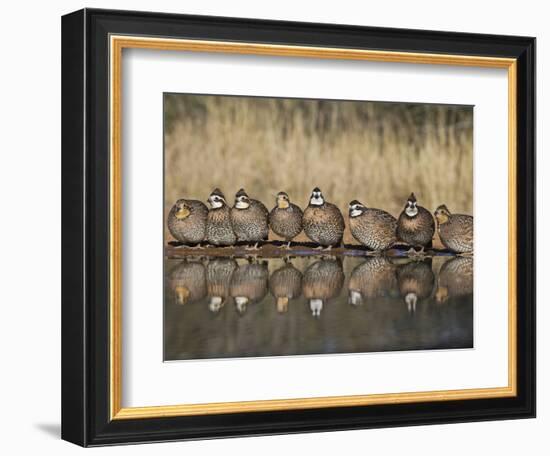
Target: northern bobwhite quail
pixel 249 218
pixel 323 222
pixel 415 225
pixel 456 231
pixel 219 230
pixel 374 228
pixel 285 219
pixel 187 221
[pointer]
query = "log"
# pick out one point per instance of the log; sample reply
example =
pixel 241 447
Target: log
pixel 275 249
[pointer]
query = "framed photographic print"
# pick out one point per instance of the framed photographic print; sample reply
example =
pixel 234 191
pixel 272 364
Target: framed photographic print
pixel 268 227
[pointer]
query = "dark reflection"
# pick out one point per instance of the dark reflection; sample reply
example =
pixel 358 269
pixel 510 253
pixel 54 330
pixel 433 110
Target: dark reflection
pixel 396 304
pixel 218 280
pixel 456 278
pixel 188 282
pixel 285 284
pixel 323 280
pixel 249 285
pixel 373 278
pixel 416 282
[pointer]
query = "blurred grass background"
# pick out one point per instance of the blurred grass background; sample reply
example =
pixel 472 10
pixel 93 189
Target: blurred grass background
pixel 375 152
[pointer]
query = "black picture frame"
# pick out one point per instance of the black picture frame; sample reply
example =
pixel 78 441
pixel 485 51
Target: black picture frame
pixel 85 225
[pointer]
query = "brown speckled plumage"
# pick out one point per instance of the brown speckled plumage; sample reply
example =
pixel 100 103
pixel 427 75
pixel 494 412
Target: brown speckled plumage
pixel 375 277
pixel 219 272
pixel 456 278
pixel 323 223
pixel 188 282
pixel 192 228
pixel 374 228
pixel 249 284
pixel 285 284
pixel 219 230
pixel 250 224
pixel 323 279
pixel 285 219
pixel 415 280
pixel 416 230
pixel 456 231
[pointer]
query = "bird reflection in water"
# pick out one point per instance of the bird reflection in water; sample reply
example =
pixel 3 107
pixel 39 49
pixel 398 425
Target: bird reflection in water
pixel 285 284
pixel 373 278
pixel 456 278
pixel 416 282
pixel 225 307
pixel 188 282
pixel 322 281
pixel 249 284
pixel 218 278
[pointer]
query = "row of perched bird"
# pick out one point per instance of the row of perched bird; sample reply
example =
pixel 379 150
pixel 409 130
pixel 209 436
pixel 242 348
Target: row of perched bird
pixel 248 221
pixel 223 279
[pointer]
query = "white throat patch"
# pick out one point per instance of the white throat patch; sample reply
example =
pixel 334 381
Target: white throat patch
pixel 216 204
pixel 216 303
pixel 355 298
pixel 316 305
pixel 355 212
pixel 411 299
pixel 411 211
pixel 317 200
pixel 241 302
pixel 242 205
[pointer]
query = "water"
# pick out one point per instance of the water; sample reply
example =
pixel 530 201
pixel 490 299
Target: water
pixel 225 308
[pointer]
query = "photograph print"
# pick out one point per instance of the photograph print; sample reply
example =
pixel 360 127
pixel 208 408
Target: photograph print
pixel 315 226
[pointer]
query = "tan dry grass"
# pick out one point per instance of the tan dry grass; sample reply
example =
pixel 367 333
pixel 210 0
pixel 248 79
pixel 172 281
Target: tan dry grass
pixel 374 152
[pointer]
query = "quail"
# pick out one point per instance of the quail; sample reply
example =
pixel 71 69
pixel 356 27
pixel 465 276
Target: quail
pixel 285 219
pixel 285 284
pixel 374 228
pixel 249 218
pixel 219 272
pixel 416 282
pixel 375 277
pixel 322 280
pixel 219 230
pixel 187 221
pixel 415 225
pixel 456 231
pixel 249 285
pixel 188 282
pixel 456 278
pixel 323 222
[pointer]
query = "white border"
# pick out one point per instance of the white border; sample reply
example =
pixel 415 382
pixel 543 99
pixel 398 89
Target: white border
pixel 149 381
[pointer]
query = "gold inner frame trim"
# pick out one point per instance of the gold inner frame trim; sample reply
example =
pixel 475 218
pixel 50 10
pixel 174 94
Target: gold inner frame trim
pixel 117 44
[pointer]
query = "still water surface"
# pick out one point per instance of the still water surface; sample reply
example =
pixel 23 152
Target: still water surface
pixel 223 307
